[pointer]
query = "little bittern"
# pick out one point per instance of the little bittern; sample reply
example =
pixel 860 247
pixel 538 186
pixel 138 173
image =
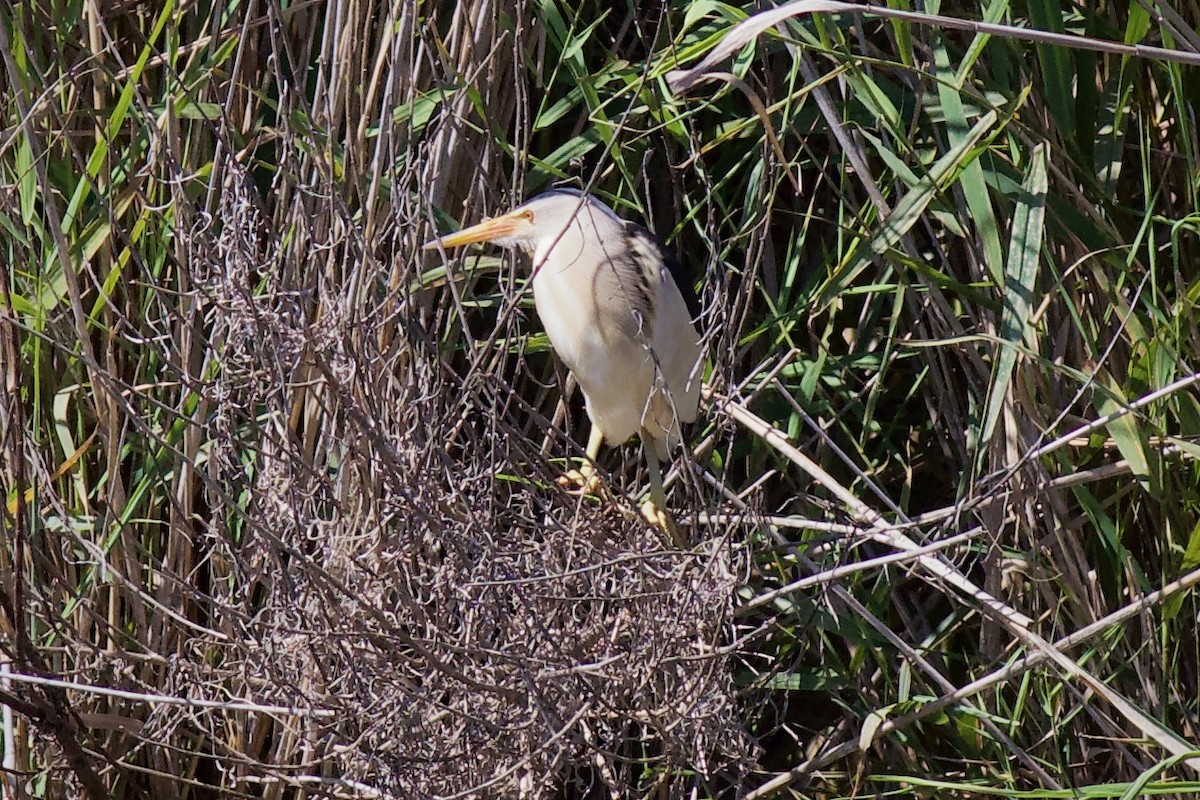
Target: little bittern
pixel 618 311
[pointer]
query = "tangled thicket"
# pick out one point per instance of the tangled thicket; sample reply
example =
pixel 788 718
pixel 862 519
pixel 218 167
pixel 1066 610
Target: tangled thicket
pixel 383 543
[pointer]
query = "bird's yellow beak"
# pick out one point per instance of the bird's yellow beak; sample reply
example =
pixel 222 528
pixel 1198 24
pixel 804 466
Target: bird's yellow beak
pixel 500 227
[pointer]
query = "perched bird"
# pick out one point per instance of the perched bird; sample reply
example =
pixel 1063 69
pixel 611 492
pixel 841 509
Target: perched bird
pixel 619 312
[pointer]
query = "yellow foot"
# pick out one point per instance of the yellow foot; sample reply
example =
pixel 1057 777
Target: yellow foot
pixel 654 516
pixel 585 481
pixel 657 518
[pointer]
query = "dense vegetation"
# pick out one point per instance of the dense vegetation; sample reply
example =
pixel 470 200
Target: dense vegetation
pixel 280 514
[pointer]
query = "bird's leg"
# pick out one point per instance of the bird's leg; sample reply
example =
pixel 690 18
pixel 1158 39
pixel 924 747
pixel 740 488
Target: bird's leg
pixel 585 478
pixel 654 510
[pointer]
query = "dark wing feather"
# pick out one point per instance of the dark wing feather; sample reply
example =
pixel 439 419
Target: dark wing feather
pixel 679 273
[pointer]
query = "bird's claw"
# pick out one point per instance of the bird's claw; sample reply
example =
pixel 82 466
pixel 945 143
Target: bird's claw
pixel 584 481
pixel 654 516
pixel 660 519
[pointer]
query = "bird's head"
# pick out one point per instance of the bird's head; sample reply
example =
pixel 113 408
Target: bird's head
pixel 538 220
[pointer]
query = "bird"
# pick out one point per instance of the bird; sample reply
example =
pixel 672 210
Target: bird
pixel 620 313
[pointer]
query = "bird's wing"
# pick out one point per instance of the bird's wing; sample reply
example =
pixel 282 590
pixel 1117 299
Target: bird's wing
pixel 679 273
pixel 675 337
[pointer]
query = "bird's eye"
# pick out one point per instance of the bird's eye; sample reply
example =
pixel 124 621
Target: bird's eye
pixel 528 215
